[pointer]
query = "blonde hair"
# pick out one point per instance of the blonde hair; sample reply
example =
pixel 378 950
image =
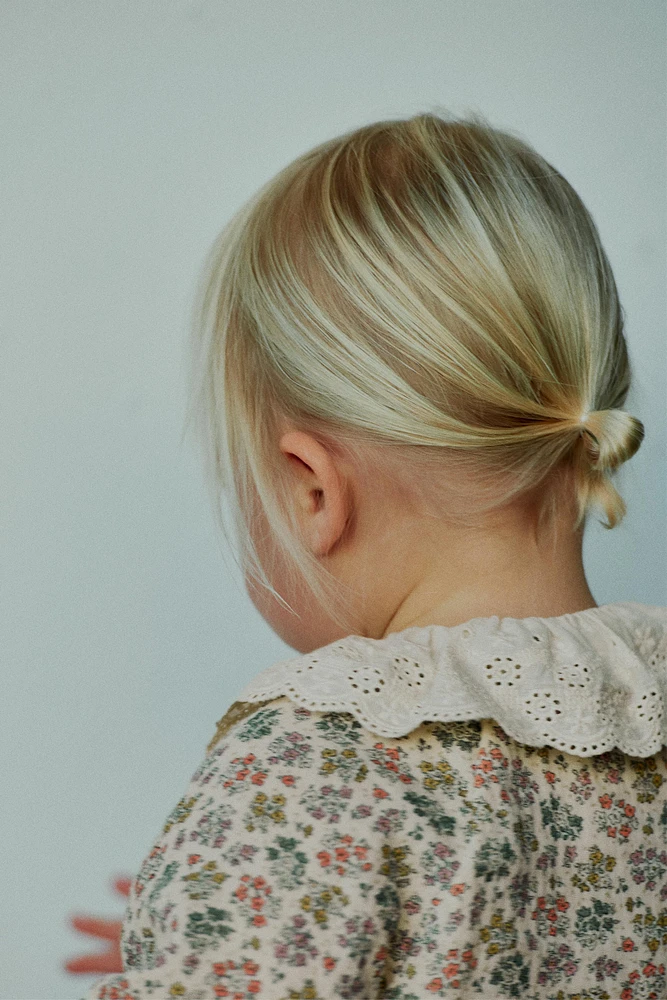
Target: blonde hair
pixel 410 291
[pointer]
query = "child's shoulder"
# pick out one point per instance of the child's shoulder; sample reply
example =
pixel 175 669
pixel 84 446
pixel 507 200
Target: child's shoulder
pixel 249 722
pixel 282 719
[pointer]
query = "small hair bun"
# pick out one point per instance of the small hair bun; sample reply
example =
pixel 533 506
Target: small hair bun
pixel 611 437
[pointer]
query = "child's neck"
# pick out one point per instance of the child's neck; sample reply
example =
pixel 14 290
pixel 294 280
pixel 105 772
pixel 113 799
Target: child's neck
pixel 508 580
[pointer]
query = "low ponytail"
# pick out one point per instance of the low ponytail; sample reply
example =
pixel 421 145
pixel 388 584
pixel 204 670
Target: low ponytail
pixel 608 438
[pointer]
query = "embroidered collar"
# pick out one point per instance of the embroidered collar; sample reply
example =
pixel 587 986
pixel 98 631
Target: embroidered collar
pixel 583 683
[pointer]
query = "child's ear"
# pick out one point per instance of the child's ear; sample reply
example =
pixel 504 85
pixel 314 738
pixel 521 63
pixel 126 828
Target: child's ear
pixel 321 493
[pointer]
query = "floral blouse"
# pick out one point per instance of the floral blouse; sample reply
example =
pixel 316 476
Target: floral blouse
pixel 309 859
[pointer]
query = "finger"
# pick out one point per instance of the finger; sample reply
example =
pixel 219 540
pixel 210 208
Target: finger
pixel 97 927
pixel 104 962
pixel 122 885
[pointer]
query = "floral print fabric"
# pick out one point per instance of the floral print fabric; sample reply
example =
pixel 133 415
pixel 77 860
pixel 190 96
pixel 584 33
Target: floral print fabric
pixel 308 859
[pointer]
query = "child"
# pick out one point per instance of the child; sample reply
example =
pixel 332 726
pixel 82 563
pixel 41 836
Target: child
pixel 409 377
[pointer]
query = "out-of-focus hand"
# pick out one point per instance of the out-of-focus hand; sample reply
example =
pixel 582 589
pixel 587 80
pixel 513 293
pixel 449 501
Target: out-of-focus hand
pixel 111 959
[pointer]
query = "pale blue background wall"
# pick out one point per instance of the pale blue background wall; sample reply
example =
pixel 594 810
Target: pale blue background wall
pixel 130 132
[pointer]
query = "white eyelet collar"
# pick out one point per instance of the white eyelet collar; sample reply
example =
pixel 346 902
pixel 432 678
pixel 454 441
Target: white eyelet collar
pixel 583 683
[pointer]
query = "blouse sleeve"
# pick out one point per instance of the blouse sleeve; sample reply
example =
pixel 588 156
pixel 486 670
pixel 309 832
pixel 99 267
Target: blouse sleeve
pixel 257 887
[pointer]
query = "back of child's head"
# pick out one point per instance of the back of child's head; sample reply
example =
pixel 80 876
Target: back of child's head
pixel 429 298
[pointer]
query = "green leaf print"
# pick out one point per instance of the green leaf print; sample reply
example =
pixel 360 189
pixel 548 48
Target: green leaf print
pixel 163 881
pixel 466 735
pixel 594 923
pixel 663 815
pixel 432 812
pixel 389 904
pixel 258 725
pixel 287 863
pixel 206 930
pixel 559 818
pixel 340 727
pixel 493 860
pixel 510 976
